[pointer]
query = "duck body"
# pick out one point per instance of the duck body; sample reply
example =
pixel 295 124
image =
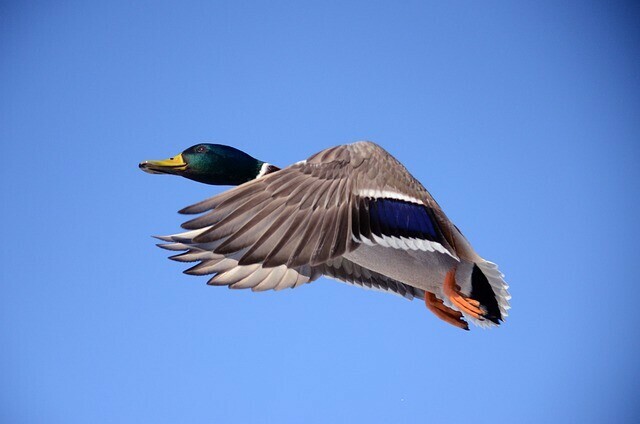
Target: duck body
pixel 353 213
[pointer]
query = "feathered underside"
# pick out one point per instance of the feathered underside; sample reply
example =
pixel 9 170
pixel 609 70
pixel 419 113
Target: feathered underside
pixel 226 271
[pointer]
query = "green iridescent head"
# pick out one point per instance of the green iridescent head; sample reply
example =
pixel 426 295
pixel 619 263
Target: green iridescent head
pixel 215 164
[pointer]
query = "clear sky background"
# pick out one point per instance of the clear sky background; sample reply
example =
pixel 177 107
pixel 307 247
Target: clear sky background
pixel 522 119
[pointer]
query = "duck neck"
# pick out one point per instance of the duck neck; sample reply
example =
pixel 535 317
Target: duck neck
pixel 265 168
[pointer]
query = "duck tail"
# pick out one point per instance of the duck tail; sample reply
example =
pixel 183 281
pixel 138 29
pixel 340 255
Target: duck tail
pixel 489 288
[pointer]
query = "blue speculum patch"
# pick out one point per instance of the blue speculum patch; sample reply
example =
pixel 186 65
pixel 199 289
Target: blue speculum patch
pixel 398 218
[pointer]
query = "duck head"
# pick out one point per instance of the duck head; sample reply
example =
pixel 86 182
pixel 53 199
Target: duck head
pixel 207 163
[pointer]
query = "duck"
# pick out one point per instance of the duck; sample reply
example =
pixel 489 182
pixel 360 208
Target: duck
pixel 352 213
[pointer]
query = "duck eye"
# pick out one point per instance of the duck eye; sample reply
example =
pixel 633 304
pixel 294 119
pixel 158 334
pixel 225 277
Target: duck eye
pixel 201 149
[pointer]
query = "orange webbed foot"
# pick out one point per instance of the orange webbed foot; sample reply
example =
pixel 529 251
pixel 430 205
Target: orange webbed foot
pixel 467 305
pixel 443 312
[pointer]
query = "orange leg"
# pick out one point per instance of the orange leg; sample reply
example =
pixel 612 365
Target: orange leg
pixel 443 312
pixel 467 305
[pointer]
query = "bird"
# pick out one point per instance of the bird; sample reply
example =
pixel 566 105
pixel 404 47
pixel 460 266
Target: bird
pixel 351 212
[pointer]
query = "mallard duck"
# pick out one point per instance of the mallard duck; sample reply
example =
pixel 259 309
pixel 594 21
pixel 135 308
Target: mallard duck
pixel 351 212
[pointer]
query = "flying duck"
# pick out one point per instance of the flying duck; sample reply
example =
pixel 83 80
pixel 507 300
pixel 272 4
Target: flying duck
pixel 351 212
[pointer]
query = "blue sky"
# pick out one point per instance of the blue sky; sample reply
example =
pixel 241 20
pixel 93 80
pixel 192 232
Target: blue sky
pixel 522 119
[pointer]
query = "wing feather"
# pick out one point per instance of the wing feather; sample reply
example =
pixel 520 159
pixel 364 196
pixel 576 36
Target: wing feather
pixel 297 220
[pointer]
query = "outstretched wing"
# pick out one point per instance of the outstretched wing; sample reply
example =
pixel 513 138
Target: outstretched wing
pixel 314 211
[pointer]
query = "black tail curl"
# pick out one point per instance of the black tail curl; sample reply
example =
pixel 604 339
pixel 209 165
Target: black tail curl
pixel 482 291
